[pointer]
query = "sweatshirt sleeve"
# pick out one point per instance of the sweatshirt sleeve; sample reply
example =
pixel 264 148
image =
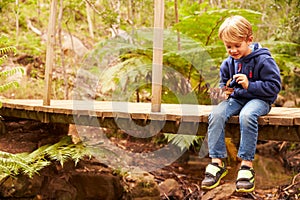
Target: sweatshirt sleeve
pixel 268 85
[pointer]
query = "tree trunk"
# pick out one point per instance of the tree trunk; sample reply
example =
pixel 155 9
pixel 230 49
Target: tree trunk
pixel 17 21
pixel 62 56
pixel 89 19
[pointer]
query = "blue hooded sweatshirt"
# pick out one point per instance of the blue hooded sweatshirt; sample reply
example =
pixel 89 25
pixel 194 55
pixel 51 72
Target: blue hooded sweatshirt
pixel 262 72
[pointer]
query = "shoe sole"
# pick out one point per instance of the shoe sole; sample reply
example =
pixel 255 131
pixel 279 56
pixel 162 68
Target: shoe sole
pixel 245 190
pixel 216 184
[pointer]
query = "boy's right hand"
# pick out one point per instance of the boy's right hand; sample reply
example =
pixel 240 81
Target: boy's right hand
pixel 220 94
pixel 217 94
pixel 228 91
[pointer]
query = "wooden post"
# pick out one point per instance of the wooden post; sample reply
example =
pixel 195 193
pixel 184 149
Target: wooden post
pixel 50 53
pixel 157 55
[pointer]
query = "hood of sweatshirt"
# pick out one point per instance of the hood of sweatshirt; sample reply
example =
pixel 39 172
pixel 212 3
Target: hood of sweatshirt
pixel 257 50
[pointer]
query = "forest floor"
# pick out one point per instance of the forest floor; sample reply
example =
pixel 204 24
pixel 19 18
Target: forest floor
pixel 187 172
pixel 274 179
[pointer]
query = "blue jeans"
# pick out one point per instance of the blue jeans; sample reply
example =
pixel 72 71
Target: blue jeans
pixel 248 111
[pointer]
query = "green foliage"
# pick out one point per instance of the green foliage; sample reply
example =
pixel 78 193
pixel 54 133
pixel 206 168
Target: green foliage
pixel 274 21
pixel 203 25
pixel 183 141
pixel 125 70
pixel 31 163
pixel 29 90
pixel 287 57
pixel 4 3
pixel 4 51
pixel 6 82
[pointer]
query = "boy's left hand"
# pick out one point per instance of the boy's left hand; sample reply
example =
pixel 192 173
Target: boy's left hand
pixel 242 79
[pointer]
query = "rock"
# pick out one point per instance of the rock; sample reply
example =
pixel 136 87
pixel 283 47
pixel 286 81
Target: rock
pixel 74 133
pixel 21 186
pixel 55 182
pixel 280 101
pixel 97 186
pixel 223 191
pixel 60 189
pixel 73 44
pixel 142 186
pixel 289 104
pixel 170 188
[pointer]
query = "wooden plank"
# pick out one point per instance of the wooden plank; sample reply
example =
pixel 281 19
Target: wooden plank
pixel 157 117
pixel 191 118
pixel 108 115
pixel 171 112
pixel 234 120
pixel 280 124
pixel 297 120
pixel 143 116
pixel 281 120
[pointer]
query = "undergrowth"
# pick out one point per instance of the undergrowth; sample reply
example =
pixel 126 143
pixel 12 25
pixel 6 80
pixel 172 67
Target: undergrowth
pixel 31 163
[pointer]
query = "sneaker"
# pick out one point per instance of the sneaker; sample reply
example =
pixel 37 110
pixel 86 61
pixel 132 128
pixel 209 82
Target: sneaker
pixel 213 175
pixel 245 179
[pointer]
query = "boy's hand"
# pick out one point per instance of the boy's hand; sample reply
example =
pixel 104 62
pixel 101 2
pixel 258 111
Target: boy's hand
pixel 217 94
pixel 242 79
pixel 228 91
pixel 220 94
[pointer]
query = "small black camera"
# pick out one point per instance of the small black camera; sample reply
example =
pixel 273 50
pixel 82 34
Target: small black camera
pixel 233 84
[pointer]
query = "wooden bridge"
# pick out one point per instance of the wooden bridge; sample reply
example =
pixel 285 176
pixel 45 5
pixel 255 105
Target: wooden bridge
pixel 280 124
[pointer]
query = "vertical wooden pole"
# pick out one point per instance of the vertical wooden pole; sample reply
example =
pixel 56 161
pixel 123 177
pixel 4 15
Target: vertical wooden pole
pixel 50 53
pixel 17 21
pixel 177 21
pixel 157 55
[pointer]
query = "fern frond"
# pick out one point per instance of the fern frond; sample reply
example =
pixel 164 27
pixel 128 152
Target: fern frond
pixel 38 154
pixel 7 50
pixel 79 150
pixel 36 166
pixel 32 163
pixel 9 85
pixel 11 72
pixel 3 58
pixel 182 141
pixel 13 164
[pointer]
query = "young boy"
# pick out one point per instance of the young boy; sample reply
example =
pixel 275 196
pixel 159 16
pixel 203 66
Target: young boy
pixel 255 82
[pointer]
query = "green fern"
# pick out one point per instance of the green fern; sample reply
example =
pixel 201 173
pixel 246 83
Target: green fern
pixel 5 75
pixel 183 141
pixel 13 164
pixel 12 72
pixel 5 51
pixel 32 163
pixel 125 70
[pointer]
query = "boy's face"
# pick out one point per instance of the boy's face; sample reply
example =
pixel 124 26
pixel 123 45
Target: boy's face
pixel 238 50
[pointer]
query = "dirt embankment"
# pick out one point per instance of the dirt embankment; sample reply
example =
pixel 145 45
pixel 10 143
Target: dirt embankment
pixel 91 178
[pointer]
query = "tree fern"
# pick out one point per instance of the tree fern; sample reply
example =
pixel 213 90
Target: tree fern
pixel 183 141
pixel 7 50
pixel 14 164
pixel 32 163
pixel 119 69
pixel 6 82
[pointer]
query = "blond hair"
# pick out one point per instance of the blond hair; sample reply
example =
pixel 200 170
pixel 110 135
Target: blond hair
pixel 235 29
